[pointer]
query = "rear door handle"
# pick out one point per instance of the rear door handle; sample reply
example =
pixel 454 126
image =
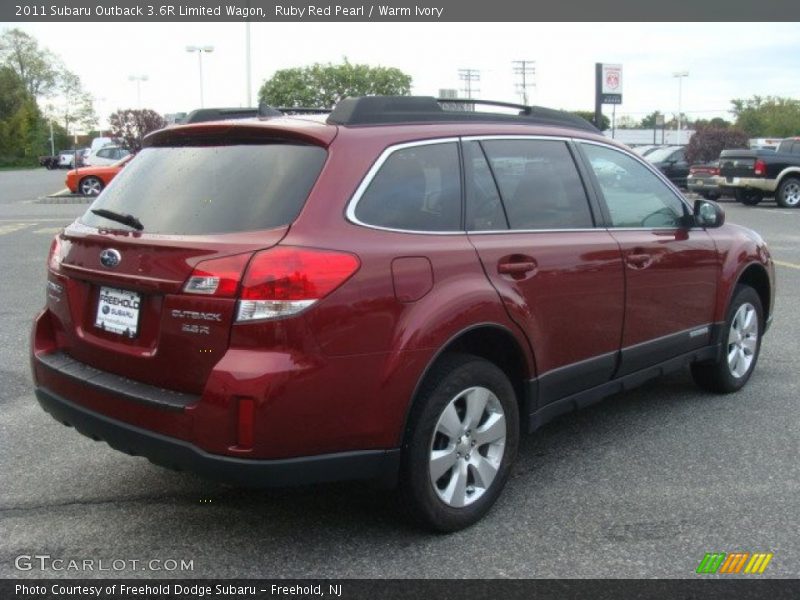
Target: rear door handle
pixel 517 268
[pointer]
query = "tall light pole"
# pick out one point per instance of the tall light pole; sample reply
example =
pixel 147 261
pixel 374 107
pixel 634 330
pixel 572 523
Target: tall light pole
pixel 247 62
pixel 680 75
pixel 138 79
pixel 200 50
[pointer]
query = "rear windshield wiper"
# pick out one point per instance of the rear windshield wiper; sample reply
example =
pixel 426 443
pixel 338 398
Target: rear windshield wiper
pixel 128 220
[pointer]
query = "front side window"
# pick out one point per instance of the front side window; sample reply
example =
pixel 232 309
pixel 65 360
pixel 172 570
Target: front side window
pixel 539 184
pixel 417 189
pixel 634 195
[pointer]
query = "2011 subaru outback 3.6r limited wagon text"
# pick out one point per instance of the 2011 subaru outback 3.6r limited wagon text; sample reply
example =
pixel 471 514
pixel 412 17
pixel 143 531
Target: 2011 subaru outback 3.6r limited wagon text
pixel 395 293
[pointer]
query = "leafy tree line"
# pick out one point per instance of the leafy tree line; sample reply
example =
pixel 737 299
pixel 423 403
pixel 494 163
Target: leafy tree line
pixel 35 87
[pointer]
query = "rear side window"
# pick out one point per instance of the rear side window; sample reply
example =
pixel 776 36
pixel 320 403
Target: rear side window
pixel 195 190
pixel 417 189
pixel 539 184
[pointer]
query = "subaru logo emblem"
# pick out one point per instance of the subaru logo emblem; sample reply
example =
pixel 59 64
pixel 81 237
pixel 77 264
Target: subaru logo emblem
pixel 110 258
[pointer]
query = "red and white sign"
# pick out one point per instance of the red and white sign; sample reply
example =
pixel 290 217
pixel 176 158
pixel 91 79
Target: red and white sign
pixel 612 79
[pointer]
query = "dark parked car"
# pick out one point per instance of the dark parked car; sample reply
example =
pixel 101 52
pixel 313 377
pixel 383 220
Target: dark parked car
pixel 395 294
pixel 671 161
pixel 703 179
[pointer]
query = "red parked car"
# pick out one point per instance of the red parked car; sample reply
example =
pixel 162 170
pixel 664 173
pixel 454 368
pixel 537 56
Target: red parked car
pixel 397 293
pixel 90 181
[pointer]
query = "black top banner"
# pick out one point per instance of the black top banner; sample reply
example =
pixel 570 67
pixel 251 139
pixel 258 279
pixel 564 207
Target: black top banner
pixel 393 10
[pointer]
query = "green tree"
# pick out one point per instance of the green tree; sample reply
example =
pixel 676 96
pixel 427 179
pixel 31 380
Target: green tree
pixel 22 134
pixel 130 126
pixel 73 107
pixel 37 67
pixel 323 85
pixel 649 122
pixel 717 122
pixel 769 116
pixel 605 122
pixel 627 122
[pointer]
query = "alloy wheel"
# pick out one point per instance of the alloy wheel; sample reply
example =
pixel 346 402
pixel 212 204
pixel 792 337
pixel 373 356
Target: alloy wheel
pixel 467 447
pixel 742 340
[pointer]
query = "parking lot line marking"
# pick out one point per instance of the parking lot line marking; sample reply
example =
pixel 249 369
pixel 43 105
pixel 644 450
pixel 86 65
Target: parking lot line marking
pixel 12 227
pixel 48 230
pixel 782 263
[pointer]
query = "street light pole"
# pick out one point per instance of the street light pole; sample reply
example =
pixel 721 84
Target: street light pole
pixel 138 79
pixel 200 50
pixel 680 75
pixel 247 63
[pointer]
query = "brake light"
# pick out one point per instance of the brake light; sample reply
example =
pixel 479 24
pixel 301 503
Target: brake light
pixel 761 167
pixel 285 280
pixel 54 258
pixel 715 170
pixel 217 277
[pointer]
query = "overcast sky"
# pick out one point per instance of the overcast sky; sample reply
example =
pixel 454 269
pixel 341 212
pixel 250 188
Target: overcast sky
pixel 724 60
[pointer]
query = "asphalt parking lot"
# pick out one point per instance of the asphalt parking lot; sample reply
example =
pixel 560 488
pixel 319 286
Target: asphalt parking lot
pixel 641 485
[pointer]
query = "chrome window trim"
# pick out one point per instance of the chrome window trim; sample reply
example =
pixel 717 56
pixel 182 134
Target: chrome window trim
pixel 352 204
pixel 350 211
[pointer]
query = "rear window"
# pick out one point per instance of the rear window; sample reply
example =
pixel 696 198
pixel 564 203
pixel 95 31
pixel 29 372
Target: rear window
pixel 195 190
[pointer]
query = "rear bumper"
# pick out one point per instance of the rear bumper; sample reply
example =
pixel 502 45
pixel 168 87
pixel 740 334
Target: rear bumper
pixel 382 465
pixel 754 183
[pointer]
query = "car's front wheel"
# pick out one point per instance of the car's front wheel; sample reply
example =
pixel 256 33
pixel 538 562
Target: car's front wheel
pixel 741 344
pixel 461 442
pixel 90 186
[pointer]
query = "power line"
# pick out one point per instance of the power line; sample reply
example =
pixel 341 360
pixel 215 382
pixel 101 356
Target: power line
pixel 526 69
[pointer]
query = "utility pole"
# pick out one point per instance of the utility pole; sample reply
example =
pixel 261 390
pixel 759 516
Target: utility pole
pixel 468 76
pixel 526 69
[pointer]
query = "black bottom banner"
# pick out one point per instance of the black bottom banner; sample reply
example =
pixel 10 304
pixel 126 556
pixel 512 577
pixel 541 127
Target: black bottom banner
pixel 389 589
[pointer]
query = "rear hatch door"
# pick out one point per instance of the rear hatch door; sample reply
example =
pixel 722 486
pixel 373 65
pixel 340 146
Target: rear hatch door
pixel 206 199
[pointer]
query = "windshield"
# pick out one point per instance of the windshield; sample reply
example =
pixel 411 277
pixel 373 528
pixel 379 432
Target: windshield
pixel 660 154
pixel 196 190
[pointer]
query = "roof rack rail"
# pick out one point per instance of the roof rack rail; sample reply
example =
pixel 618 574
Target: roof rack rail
pixel 385 110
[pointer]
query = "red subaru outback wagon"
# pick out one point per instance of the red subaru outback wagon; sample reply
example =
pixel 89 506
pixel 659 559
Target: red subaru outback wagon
pixel 396 293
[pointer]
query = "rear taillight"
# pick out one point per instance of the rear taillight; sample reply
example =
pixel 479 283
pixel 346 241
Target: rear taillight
pixel 217 277
pixel 54 258
pixel 715 170
pixel 760 167
pixel 283 281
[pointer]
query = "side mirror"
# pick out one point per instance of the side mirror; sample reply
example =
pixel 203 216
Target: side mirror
pixel 708 213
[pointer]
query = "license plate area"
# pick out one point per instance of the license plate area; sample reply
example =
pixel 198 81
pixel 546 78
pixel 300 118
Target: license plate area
pixel 118 311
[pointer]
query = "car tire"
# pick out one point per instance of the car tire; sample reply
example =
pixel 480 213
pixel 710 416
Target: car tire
pixel 748 197
pixel 740 345
pixel 90 186
pixel 460 443
pixel 788 195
